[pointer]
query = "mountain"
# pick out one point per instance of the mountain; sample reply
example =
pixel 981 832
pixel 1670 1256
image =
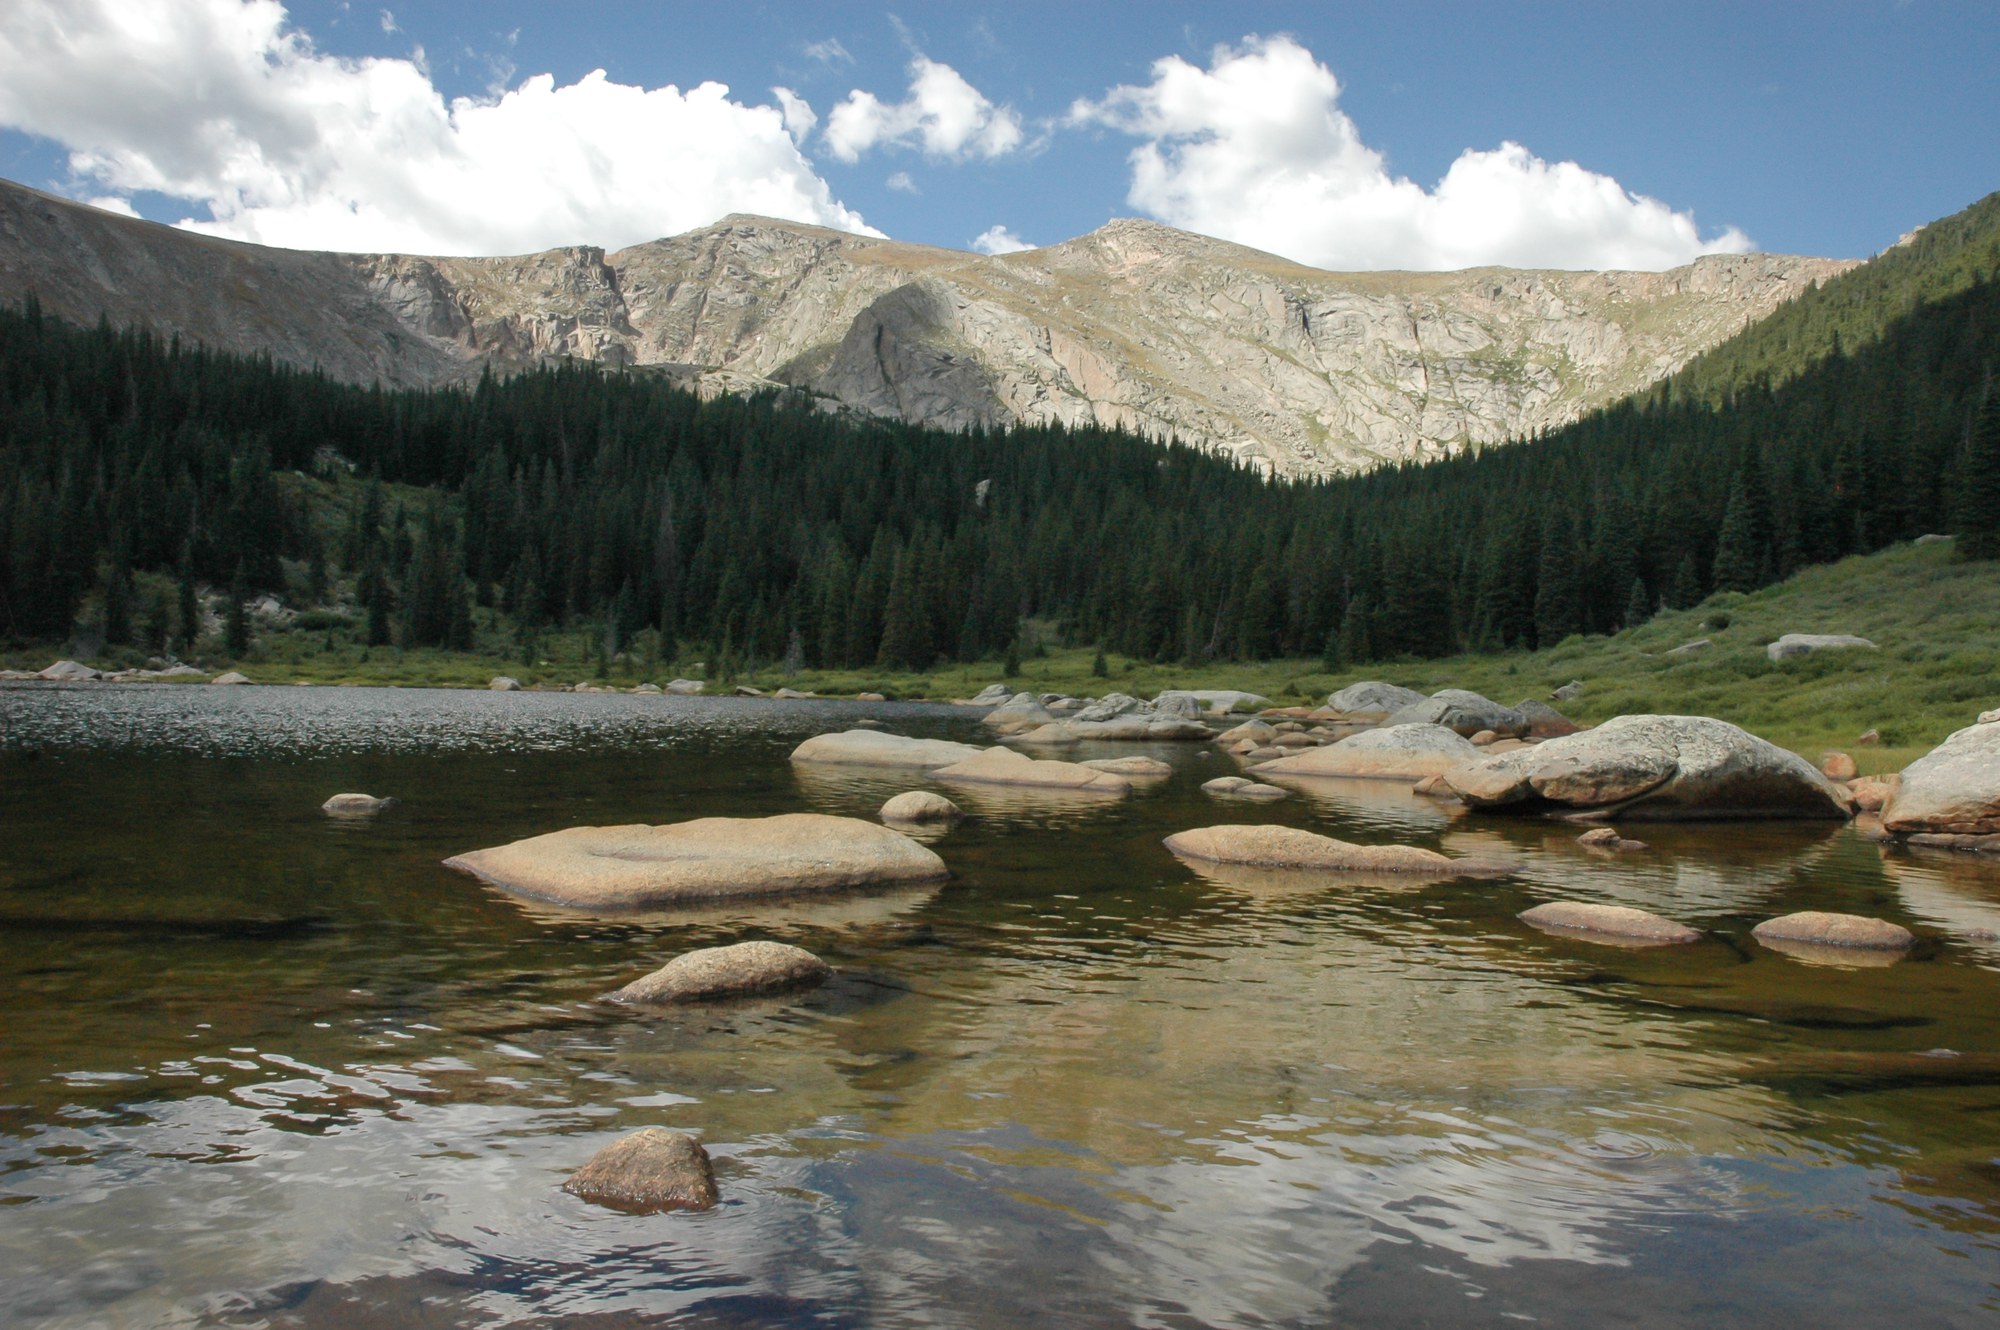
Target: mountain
pixel 1287 368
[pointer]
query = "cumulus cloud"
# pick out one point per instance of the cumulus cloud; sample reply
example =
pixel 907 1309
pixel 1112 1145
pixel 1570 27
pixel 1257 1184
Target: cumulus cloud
pixel 223 103
pixel 943 114
pixel 999 240
pixel 1256 149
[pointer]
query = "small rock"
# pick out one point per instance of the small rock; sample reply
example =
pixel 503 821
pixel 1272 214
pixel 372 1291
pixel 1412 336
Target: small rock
pixel 1869 827
pixel 1607 838
pixel 1260 731
pixel 1987 717
pixel 1267 754
pixel 1800 644
pixel 870 697
pixel 1838 766
pixel 649 1171
pixel 647 688
pixel 1399 752
pixel 1690 648
pixel 920 806
pixel 1873 737
pixel 686 687
pixel 1433 787
pixel 1572 689
pixel 1132 768
pixel 1931 538
pixel 745 690
pixel 1608 923
pixel 792 695
pixel 744 970
pixel 992 695
pixel 1822 929
pixel 230 678
pixel 1465 712
pixel 1225 784
pixel 354 805
pixel 1544 721
pixel 1483 738
pixel 502 683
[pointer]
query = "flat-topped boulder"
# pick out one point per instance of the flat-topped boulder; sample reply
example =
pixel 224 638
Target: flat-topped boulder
pixel 1820 928
pixel 1017 715
pixel 1652 767
pixel 746 969
pixel 1271 846
pixel 1138 727
pixel 647 1172
pixel 1792 645
pixel 708 859
pixel 874 748
pixel 1372 699
pixel 686 687
pixel 1241 787
pixel 920 807
pixel 1399 752
pixel 1132 768
pixel 1004 766
pixel 1952 790
pixel 1465 712
pixel 354 805
pixel 1608 923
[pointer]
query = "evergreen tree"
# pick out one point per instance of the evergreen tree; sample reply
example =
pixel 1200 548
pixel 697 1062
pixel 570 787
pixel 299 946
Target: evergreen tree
pixel 1737 563
pixel 1979 494
pixel 237 633
pixel 1638 605
pixel 1100 668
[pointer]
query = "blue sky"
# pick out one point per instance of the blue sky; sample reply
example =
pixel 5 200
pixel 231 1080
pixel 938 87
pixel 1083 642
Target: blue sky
pixel 1317 130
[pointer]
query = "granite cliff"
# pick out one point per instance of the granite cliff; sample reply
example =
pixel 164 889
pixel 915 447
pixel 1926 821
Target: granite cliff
pixel 1288 368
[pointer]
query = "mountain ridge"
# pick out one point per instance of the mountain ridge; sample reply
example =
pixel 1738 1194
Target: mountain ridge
pixel 1287 368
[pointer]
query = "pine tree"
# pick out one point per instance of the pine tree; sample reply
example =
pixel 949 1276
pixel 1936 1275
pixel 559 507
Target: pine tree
pixel 1638 605
pixel 1737 561
pixel 237 636
pixel 1100 668
pixel 1979 493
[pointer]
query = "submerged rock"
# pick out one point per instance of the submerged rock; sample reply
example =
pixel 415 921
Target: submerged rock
pixel 354 805
pixel 920 806
pixel 1372 699
pixel 1289 847
pixel 649 1171
pixel 744 970
pixel 1400 752
pixel 1654 767
pixel 1607 838
pixel 872 748
pixel 1609 923
pixel 1003 766
pixel 1952 790
pixel 708 859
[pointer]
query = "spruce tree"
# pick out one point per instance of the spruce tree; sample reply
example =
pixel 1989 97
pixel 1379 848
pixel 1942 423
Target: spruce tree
pixel 1100 668
pixel 1737 560
pixel 1638 606
pixel 1979 492
pixel 237 636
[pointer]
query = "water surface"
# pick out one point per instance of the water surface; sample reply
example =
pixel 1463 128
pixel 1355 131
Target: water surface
pixel 263 1068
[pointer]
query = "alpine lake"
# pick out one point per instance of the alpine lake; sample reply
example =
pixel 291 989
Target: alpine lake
pixel 262 1067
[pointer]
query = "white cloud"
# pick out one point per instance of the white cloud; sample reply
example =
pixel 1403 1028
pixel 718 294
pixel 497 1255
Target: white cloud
pixel 221 102
pixel 943 114
pixel 829 52
pixel 389 22
pixel 799 116
pixel 1255 149
pixel 999 240
pixel 902 183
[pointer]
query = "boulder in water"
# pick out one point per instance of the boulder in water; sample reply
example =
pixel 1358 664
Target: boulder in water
pixel 354 805
pixel 873 748
pixel 1652 767
pixel 649 1171
pixel 1819 928
pixel 1952 790
pixel 708 859
pixel 1017 715
pixel 919 807
pixel 1271 846
pixel 1399 752
pixel 1464 712
pixel 1003 766
pixel 1132 768
pixel 1607 923
pixel 744 970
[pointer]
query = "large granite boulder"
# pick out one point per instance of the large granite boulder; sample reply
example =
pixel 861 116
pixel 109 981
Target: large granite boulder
pixel 1177 705
pixel 744 970
pixel 1400 752
pixel 1652 767
pixel 1803 644
pixel 1952 790
pixel 1289 847
pixel 708 859
pixel 1372 700
pixel 1616 924
pixel 67 671
pixel 1004 766
pixel 872 748
pixel 649 1171
pixel 1017 715
pixel 1467 713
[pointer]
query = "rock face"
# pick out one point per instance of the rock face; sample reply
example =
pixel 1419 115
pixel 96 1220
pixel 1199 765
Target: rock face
pixel 1003 766
pixel 1954 789
pixel 1610 923
pixel 354 805
pixel 1289 847
pixel 646 1172
pixel 919 807
pixel 711 858
pixel 1652 767
pixel 1287 368
pixel 1372 700
pixel 744 970
pixel 1464 712
pixel 1801 644
pixel 1400 752
pixel 872 748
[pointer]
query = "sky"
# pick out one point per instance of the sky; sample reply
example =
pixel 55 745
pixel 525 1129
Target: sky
pixel 1343 135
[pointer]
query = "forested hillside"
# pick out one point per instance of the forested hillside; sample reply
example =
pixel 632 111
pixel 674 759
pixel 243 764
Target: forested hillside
pixel 134 472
